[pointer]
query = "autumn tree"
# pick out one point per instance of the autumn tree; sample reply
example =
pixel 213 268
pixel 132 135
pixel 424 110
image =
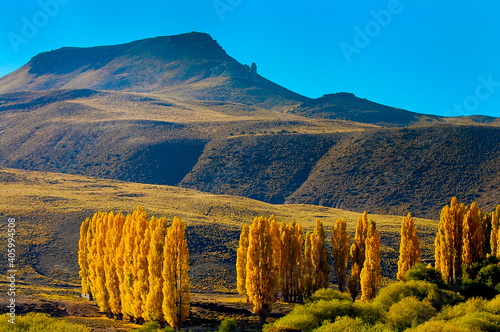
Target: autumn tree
pixel 320 257
pixel 473 236
pixel 449 241
pixel 409 247
pixel 340 252
pixel 176 287
pixel 261 278
pixel 83 253
pixel 241 261
pixel 357 255
pixel 371 274
pixel 291 257
pixel 495 232
pixel 307 267
pixel 154 298
pixel 112 262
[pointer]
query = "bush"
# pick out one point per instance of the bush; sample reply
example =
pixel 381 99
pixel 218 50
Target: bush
pixel 328 294
pixel 344 324
pixel 409 312
pixel 147 327
pixel 395 292
pixel 482 278
pixel 369 312
pixel 420 272
pixel 493 306
pixel 37 322
pixel 228 325
pixel 310 316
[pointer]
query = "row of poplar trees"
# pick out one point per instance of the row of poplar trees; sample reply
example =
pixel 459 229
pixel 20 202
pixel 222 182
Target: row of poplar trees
pixel 275 261
pixel 135 267
pixel 465 235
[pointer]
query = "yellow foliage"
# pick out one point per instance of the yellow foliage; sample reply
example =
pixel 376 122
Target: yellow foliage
pixel 340 252
pixel 241 261
pixel 176 286
pixel 371 274
pixel 409 247
pixel 261 282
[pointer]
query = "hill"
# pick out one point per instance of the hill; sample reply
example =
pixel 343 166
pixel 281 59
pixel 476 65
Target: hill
pixel 49 209
pixel 346 106
pixel 179 110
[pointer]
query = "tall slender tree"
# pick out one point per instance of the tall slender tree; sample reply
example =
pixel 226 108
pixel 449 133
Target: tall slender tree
pixel 448 250
pixel 495 233
pixel 371 274
pixel 409 247
pixel 261 281
pixel 340 252
pixel 241 261
pixel 307 267
pixel 176 287
pixel 320 257
pixel 357 255
pixel 473 236
pixel 83 252
pixel 154 298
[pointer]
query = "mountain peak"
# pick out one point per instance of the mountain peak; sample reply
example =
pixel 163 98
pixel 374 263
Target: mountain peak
pixel 189 65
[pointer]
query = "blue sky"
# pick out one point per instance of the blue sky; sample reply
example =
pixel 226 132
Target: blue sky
pixel 435 57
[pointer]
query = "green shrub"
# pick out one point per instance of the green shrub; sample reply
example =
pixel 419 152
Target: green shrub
pixel 462 309
pixel 37 322
pixel 311 315
pixel 369 312
pixel 328 294
pixel 395 292
pixel 168 329
pixel 493 306
pixel 344 324
pixel 420 272
pixel 409 312
pixel 228 325
pixel 147 327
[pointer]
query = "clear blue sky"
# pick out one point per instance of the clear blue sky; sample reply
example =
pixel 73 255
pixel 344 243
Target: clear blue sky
pixel 436 57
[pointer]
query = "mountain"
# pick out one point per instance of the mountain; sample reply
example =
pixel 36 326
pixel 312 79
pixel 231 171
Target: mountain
pixel 179 111
pixel 346 106
pixel 187 65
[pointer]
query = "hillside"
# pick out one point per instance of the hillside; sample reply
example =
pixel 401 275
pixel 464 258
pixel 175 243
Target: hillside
pixel 346 106
pixel 49 209
pixel 180 111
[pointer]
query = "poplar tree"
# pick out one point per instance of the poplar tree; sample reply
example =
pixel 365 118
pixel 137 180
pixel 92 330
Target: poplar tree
pixel 83 253
pixel 473 236
pixel 320 257
pixel 357 255
pixel 276 240
pixel 371 275
pixel 449 241
pixel 291 257
pixel 261 281
pixel 126 286
pixel 113 262
pixel 139 255
pixel 409 247
pixel 241 261
pixel 340 252
pixel 307 267
pixel 495 232
pixel 154 298
pixel 100 256
pixel 176 287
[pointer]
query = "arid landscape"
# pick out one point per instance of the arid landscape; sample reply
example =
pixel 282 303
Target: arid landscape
pixel 177 126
